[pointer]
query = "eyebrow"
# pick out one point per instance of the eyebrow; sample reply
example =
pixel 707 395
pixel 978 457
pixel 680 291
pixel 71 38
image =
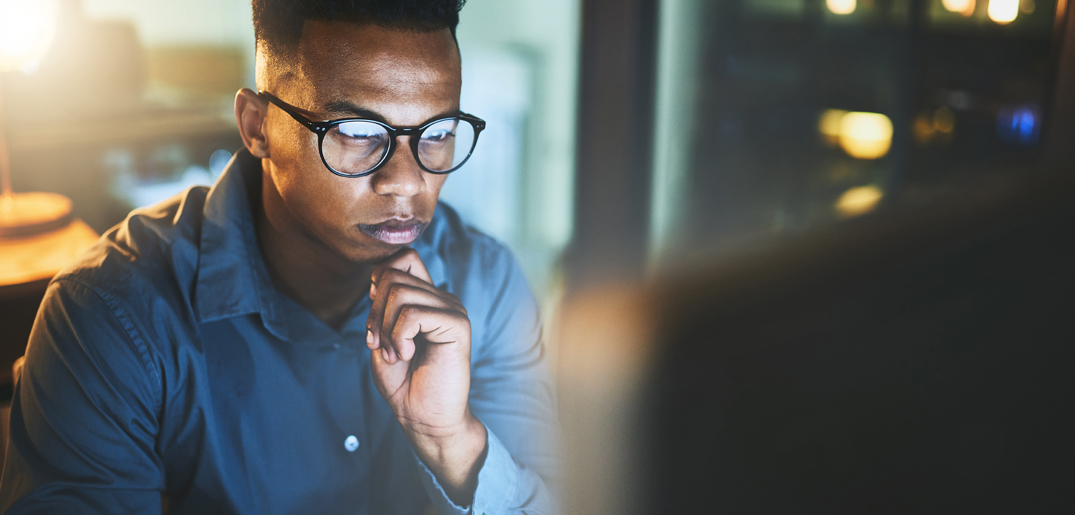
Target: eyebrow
pixel 346 106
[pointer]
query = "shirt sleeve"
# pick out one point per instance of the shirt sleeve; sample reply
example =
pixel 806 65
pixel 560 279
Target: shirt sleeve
pixel 84 414
pixel 512 394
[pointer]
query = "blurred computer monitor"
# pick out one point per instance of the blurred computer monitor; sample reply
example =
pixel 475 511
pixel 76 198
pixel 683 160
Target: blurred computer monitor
pixel 916 363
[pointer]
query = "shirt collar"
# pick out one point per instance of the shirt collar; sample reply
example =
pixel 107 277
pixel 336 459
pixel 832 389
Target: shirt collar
pixel 232 276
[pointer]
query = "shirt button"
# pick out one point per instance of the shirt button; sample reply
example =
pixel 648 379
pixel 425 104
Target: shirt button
pixel 335 345
pixel 351 443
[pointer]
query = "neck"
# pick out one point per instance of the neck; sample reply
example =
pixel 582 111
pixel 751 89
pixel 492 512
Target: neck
pixel 303 267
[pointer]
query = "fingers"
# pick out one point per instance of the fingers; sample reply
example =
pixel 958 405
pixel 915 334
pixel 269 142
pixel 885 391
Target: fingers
pixel 398 288
pixel 437 326
pixel 396 299
pixel 407 261
pixel 398 284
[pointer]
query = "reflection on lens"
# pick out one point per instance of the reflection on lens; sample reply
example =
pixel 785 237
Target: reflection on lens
pixel 446 144
pixel 355 147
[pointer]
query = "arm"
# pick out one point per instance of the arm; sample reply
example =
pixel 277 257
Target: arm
pixel 512 393
pixel 83 418
pixel 508 405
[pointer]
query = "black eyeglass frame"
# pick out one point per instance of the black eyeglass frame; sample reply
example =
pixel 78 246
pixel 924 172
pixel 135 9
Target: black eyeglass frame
pixel 322 128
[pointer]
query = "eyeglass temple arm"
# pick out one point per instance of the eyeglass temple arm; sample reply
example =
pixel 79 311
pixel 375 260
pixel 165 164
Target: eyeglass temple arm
pixel 306 122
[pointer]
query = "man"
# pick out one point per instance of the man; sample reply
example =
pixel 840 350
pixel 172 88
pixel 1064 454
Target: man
pixel 314 334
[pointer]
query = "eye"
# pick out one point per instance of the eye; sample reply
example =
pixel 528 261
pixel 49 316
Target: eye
pixel 437 135
pixel 440 131
pixel 361 131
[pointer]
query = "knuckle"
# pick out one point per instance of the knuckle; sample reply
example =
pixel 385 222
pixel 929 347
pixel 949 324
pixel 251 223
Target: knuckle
pixel 409 312
pixel 400 292
pixel 391 274
pixel 391 292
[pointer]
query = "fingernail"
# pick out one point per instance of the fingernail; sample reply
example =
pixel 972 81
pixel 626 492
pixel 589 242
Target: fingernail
pixel 384 353
pixel 369 338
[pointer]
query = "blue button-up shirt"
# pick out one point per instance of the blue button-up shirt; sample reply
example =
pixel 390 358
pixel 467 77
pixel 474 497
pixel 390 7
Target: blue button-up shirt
pixel 164 367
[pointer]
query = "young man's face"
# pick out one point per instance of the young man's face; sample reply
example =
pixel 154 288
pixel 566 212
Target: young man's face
pixel 344 70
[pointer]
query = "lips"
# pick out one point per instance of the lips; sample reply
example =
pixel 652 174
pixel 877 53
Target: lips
pixel 395 231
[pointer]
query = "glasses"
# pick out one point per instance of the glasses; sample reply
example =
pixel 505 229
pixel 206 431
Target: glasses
pixel 357 147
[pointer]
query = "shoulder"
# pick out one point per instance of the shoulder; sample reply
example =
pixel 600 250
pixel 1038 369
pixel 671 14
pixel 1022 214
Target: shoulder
pixel 158 240
pixel 148 259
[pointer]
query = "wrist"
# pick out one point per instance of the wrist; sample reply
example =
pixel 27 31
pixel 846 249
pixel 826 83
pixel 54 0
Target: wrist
pixel 453 454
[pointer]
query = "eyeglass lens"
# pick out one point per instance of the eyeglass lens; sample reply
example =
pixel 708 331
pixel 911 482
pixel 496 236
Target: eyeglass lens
pixel 357 147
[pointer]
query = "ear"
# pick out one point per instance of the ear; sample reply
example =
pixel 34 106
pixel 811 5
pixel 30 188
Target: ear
pixel 250 110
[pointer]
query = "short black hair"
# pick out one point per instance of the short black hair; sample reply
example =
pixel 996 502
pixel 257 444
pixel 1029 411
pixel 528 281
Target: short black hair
pixel 278 24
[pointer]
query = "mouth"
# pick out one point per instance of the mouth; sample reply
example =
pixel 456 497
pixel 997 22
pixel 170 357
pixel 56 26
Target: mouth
pixel 395 231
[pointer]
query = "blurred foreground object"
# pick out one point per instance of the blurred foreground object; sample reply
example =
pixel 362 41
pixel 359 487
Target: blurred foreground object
pixel 26 30
pixel 916 363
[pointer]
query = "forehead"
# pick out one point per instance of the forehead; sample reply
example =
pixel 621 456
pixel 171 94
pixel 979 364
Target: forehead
pixel 374 67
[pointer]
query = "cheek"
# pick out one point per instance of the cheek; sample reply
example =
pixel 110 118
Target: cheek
pixel 327 204
pixel 435 183
pixel 293 151
pixel 309 190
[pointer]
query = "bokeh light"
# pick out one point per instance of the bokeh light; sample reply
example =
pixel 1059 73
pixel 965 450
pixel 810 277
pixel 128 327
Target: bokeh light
pixel 841 6
pixel 859 201
pixel 1019 124
pixel 964 7
pixel 922 129
pixel 865 135
pixel 944 120
pixel 829 125
pixel 1003 11
pixel 26 29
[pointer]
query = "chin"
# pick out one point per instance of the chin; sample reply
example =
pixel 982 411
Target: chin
pixel 362 249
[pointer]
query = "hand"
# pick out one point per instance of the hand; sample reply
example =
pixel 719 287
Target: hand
pixel 420 341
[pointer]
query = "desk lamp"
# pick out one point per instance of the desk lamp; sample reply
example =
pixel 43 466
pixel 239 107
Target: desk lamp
pixel 26 30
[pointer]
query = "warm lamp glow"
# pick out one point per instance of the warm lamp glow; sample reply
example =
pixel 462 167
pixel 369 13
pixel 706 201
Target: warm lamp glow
pixel 1003 11
pixel 26 29
pixel 865 135
pixel 858 201
pixel 964 7
pixel 841 6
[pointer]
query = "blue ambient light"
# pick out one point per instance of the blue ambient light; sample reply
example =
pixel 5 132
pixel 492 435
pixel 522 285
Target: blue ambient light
pixel 1020 125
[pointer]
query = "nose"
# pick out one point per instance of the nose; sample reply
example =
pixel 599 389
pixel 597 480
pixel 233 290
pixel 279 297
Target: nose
pixel 400 176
